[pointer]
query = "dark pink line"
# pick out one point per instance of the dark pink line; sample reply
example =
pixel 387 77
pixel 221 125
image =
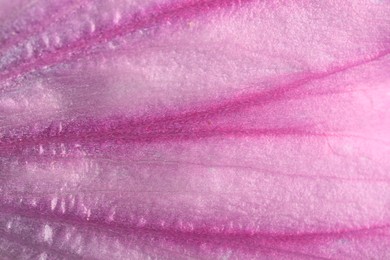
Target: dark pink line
pixel 190 125
pixel 100 222
pixel 141 135
pixel 155 17
pixel 265 97
pixel 176 236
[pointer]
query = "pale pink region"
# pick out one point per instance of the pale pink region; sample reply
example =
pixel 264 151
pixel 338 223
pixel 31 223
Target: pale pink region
pixel 24 237
pixel 22 107
pixel 137 73
pixel 361 244
pixel 91 95
pixel 329 104
pixel 77 237
pixel 197 129
pixel 75 20
pixel 63 22
pixel 14 16
pixel 200 186
pixel 376 34
pixel 147 75
pixel 209 195
pixel 31 19
pixel 8 10
pixel 69 44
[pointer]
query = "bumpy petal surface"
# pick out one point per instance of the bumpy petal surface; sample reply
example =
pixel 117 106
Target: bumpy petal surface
pixel 207 129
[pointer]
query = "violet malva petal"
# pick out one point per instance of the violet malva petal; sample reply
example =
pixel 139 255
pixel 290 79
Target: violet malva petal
pixel 181 129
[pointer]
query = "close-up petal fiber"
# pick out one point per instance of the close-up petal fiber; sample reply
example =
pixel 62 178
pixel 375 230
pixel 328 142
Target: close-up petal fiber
pixel 194 129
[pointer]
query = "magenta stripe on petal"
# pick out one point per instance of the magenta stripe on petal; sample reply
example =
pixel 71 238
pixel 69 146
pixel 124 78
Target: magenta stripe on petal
pixel 181 129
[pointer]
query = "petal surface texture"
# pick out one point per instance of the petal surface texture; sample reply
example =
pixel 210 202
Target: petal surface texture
pixel 195 129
